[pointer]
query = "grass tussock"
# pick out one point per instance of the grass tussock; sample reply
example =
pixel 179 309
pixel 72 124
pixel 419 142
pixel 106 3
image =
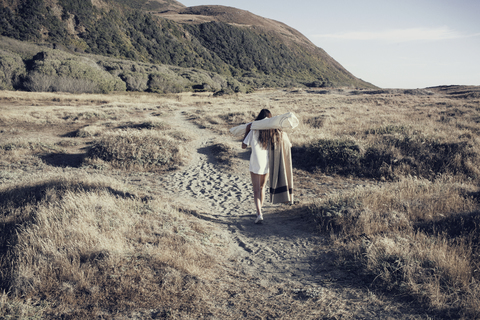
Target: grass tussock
pixel 401 238
pixel 88 247
pixel 138 149
pixel 390 156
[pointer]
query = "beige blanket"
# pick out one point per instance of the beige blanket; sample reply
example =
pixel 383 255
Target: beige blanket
pixel 284 121
pixel 281 172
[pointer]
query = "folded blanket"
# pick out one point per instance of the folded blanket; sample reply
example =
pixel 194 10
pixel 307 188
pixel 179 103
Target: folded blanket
pixel 281 172
pixel 284 121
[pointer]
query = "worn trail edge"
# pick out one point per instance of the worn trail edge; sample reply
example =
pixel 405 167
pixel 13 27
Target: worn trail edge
pixel 284 254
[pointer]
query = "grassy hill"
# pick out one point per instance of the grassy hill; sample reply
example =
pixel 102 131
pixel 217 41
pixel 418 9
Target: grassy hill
pixel 243 49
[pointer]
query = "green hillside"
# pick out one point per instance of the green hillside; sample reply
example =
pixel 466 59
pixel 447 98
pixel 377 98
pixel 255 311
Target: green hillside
pixel 125 30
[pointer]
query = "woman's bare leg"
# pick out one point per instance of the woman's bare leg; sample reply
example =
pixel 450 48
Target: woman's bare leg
pixel 263 182
pixel 258 181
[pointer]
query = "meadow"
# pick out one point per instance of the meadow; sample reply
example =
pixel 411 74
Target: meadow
pixel 78 240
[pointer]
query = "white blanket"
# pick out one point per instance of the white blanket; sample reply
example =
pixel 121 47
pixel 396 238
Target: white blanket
pixel 284 121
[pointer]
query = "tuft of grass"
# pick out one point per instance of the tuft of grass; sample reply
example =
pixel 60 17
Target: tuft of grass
pixel 331 156
pixel 138 149
pixel 236 118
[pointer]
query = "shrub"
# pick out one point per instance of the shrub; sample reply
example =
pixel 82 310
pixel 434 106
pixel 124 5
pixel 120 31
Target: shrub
pixel 428 157
pixel 59 71
pixel 84 243
pixel 236 117
pixel 89 131
pixel 202 81
pixel 39 82
pixel 315 122
pixel 390 156
pixel 379 162
pixel 332 156
pixel 135 81
pixel 166 83
pixel 388 129
pixel 138 149
pixel 12 69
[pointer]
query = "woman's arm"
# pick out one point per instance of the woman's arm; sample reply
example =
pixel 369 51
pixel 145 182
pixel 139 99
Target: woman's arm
pixel 247 130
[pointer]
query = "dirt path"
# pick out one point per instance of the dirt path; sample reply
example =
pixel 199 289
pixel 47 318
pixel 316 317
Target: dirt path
pixel 279 249
pixel 284 254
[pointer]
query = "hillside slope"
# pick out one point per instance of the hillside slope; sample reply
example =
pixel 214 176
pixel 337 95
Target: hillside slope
pixel 256 51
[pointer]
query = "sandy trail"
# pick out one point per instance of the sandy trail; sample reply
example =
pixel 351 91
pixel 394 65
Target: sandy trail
pixel 284 251
pixel 279 249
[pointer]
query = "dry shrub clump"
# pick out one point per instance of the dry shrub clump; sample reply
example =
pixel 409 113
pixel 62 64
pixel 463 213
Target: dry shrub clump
pixel 138 149
pixel 389 156
pixel 407 237
pixel 80 247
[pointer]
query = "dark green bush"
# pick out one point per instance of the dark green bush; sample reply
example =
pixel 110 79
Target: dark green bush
pixel 431 156
pixel 315 122
pixel 202 80
pixel 331 156
pixel 166 83
pixel 55 70
pixel 135 81
pixel 389 157
pixel 12 70
pixel 388 129
pixel 379 162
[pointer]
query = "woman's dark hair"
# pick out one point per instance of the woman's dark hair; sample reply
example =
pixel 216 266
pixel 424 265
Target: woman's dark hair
pixel 267 137
pixel 264 113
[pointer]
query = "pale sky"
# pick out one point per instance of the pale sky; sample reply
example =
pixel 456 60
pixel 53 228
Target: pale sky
pixel 389 43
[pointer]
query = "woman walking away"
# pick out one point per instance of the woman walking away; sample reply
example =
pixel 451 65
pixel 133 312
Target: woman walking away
pixel 260 141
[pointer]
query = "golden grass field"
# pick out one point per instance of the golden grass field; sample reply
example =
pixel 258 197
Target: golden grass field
pixel 388 178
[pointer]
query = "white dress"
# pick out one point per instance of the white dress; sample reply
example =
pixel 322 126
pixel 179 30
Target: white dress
pixel 259 156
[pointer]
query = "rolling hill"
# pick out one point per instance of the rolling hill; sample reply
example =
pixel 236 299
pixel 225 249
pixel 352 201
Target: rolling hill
pixel 231 48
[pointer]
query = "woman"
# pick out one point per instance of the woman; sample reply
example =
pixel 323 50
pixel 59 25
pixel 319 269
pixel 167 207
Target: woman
pixel 260 142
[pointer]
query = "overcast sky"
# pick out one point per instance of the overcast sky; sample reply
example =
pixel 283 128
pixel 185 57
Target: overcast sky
pixel 390 43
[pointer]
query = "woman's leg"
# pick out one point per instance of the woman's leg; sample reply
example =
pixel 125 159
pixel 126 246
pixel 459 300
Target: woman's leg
pixel 258 181
pixel 263 182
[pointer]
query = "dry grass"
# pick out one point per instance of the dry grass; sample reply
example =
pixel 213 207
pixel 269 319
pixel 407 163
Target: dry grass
pixel 409 237
pixel 137 149
pixel 78 244
pixel 84 243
